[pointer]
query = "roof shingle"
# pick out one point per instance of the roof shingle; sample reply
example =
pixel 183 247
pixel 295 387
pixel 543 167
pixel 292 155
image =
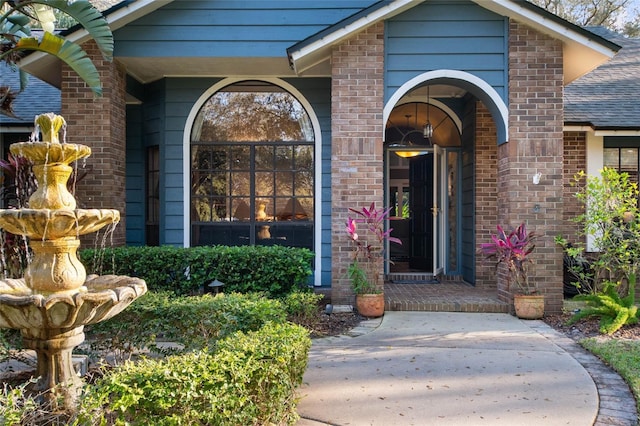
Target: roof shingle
pixel 609 96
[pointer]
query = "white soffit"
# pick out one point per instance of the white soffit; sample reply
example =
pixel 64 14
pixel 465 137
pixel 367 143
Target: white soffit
pixel 581 54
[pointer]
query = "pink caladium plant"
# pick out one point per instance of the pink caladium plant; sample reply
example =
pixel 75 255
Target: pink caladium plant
pixel 369 247
pixel 513 249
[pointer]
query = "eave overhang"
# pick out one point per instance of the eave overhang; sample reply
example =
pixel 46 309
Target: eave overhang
pixel 583 51
pixel 49 68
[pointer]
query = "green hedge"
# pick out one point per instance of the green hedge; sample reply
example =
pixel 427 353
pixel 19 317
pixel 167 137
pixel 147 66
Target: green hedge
pixel 250 379
pixel 274 270
pixel 192 321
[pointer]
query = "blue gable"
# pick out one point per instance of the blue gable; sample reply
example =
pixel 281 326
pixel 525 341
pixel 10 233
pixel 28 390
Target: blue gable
pixel 229 28
pixel 456 35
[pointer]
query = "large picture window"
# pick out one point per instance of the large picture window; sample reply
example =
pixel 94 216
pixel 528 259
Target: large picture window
pixel 252 169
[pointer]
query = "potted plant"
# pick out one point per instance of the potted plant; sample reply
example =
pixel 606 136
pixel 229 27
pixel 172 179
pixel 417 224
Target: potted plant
pixel 366 268
pixel 513 249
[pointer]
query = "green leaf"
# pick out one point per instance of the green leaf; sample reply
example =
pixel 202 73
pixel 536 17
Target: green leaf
pixel 69 52
pixel 89 18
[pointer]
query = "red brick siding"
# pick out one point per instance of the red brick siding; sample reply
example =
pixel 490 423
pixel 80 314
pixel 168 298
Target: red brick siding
pixel 486 194
pixel 575 160
pixel 356 153
pixel 100 124
pixel 535 145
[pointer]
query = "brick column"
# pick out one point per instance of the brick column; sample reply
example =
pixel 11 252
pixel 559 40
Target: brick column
pixel 100 124
pixel 486 192
pixel 535 145
pixel 575 160
pixel 356 146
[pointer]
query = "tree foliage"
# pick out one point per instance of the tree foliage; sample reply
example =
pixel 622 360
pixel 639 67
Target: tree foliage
pixel 622 16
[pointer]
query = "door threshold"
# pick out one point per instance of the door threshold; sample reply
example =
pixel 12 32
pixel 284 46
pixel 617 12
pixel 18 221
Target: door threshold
pixel 412 278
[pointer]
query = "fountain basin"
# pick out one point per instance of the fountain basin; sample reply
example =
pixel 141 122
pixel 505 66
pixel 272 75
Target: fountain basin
pixel 50 152
pixel 47 224
pixel 99 299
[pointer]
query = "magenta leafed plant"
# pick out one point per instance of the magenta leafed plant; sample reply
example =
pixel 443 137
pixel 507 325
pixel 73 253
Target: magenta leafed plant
pixel 513 249
pixel 368 256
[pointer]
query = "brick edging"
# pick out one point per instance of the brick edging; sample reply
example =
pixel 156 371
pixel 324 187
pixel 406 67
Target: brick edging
pixel 617 406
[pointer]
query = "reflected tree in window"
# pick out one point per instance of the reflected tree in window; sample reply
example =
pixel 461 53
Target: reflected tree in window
pixel 252 168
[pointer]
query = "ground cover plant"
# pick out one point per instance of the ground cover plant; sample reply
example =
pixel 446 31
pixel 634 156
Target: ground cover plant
pixel 238 361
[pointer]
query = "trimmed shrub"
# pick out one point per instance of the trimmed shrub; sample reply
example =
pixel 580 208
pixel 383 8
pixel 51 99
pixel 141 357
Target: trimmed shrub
pixel 250 379
pixel 302 307
pixel 274 270
pixel 192 321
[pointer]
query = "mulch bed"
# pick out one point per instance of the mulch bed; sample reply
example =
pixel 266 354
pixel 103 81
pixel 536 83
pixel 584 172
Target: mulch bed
pixel 589 327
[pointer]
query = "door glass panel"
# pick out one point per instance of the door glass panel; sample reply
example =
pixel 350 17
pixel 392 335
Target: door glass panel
pixel 452 209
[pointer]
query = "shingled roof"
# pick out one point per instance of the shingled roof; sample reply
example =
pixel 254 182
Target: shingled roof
pixel 37 98
pixel 607 97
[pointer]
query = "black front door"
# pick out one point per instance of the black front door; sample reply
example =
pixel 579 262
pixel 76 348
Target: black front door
pixel 421 203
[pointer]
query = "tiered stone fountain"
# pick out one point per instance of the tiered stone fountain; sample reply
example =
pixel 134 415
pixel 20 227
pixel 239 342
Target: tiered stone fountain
pixel 53 302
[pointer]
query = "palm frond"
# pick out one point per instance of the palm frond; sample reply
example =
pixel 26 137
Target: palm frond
pixel 70 53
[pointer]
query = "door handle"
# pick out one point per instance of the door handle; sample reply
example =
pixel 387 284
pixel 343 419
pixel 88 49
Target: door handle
pixel 435 210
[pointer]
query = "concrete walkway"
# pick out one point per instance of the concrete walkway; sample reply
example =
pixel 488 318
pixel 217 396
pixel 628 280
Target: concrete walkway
pixel 438 368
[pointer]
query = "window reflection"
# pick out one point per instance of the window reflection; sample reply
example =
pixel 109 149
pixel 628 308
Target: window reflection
pixel 252 165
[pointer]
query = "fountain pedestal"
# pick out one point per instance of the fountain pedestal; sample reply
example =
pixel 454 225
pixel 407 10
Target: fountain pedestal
pixel 55 300
pixel 58 382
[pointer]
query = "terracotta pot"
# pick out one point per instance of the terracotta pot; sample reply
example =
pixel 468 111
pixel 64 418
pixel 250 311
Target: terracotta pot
pixel 370 305
pixel 529 306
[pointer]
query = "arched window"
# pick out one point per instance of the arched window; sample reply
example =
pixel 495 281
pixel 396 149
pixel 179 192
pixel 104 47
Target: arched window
pixel 252 169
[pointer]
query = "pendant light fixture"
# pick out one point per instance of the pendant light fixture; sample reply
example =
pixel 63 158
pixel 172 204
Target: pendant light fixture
pixel 427 129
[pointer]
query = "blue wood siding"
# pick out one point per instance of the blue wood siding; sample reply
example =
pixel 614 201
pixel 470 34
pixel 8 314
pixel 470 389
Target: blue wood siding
pixel 230 28
pixel 181 95
pixel 457 35
pixel 317 91
pixel 135 182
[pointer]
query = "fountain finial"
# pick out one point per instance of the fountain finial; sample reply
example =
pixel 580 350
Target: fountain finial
pixel 50 125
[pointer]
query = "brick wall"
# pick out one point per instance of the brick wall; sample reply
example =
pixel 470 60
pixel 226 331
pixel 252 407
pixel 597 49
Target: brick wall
pixel 535 145
pixel 100 124
pixel 486 192
pixel 575 160
pixel 356 151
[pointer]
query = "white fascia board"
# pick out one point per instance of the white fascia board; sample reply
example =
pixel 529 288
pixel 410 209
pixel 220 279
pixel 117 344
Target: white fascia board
pixel 600 133
pixel 617 133
pixel 116 20
pixel 514 10
pixel 337 36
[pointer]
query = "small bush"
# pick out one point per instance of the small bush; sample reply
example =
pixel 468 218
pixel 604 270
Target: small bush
pixel 302 307
pixel 192 321
pixel 614 311
pixel 249 380
pixel 274 270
